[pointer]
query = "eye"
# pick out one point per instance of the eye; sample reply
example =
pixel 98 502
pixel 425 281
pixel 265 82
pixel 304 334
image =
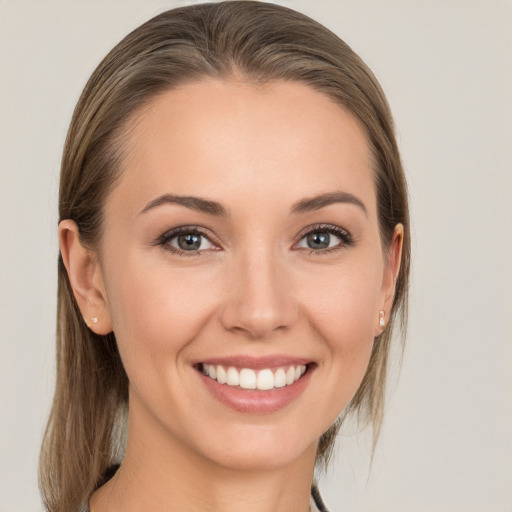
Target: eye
pixel 190 242
pixel 322 238
pixel 186 239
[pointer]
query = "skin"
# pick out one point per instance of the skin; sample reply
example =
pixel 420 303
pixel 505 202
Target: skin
pixel 254 288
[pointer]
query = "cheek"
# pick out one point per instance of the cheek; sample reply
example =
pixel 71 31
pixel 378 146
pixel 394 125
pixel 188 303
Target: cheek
pixel 157 311
pixel 344 309
pixel 343 316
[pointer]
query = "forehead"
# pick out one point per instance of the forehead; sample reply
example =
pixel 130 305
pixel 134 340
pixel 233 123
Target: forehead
pixel 228 140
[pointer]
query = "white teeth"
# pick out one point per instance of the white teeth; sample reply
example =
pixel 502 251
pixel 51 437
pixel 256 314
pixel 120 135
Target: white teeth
pixel 280 378
pixel 222 377
pixel 247 378
pixel 233 377
pixel 265 380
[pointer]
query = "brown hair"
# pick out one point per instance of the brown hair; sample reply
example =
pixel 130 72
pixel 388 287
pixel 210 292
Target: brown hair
pixel 259 42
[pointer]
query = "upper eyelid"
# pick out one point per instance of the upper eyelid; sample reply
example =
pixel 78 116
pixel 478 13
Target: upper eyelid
pixel 171 233
pixel 324 227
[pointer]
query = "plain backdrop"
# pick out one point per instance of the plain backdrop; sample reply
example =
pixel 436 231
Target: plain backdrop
pixel 447 70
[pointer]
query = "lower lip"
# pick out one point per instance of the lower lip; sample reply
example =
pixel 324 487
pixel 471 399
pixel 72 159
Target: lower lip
pixel 254 401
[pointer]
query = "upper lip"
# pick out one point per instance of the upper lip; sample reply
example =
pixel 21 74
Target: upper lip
pixel 256 363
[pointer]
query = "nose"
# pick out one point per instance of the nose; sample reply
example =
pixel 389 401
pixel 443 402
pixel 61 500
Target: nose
pixel 259 296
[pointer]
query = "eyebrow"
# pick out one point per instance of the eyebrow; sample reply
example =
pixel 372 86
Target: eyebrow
pixel 191 202
pixel 318 202
pixel 215 208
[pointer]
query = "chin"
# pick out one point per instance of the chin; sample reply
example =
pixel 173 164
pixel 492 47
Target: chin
pixel 261 449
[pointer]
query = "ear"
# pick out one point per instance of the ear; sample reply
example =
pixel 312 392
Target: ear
pixel 85 277
pixel 391 270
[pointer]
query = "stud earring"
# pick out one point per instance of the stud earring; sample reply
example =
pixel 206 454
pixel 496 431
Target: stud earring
pixel 381 319
pixel 94 320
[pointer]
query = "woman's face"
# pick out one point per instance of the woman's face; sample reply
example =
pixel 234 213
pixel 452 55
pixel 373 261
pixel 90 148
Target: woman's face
pixel 242 241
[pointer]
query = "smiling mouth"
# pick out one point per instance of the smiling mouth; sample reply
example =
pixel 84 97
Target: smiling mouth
pixel 264 379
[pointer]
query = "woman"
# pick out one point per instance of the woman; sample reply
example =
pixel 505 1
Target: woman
pixel 234 255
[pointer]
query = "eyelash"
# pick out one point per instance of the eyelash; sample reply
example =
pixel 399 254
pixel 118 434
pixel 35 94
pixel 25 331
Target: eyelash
pixel 346 238
pixel 164 240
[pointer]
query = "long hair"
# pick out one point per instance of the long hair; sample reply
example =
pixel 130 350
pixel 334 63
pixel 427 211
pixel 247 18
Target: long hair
pixel 258 42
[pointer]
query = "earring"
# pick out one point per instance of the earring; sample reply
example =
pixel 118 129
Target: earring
pixel 381 319
pixel 94 320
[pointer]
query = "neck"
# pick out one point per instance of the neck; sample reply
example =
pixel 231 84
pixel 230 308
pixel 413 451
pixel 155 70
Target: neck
pixel 161 474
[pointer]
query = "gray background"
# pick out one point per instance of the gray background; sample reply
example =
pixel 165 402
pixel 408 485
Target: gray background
pixel 446 67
